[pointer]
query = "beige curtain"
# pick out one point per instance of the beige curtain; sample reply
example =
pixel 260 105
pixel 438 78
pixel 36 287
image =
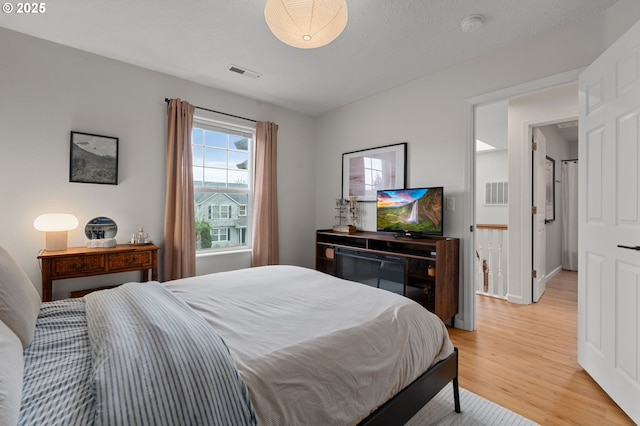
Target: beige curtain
pixel 179 217
pixel 265 222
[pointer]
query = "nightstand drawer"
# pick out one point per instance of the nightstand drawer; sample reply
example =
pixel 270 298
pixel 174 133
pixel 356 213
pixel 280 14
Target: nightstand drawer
pixel 129 260
pixel 77 264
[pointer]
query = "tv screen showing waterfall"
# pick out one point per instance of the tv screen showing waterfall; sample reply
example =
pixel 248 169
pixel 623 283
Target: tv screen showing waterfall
pixel 413 212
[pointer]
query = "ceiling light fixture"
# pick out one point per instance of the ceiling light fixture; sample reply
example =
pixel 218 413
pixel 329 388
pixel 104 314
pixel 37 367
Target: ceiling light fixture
pixel 471 23
pixel 306 24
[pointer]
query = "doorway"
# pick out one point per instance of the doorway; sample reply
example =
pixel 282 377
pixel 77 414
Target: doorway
pixel 492 199
pixel 557 174
pixel 561 210
pixel 545 102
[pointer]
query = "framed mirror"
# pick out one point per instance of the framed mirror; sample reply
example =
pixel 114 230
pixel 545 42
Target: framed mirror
pixel 100 228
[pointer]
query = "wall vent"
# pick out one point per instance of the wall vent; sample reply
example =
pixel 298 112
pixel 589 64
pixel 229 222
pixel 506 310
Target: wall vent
pixel 496 193
pixel 567 124
pixel 244 71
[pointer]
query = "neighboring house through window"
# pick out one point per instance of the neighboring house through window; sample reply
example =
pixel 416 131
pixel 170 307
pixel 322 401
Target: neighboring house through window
pixel 222 171
pixel 219 212
pixel 220 234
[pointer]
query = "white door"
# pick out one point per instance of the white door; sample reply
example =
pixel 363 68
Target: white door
pixel 609 217
pixel 539 280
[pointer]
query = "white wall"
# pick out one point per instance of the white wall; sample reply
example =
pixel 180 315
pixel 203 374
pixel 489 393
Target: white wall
pixel 429 114
pixel 47 90
pixel 490 127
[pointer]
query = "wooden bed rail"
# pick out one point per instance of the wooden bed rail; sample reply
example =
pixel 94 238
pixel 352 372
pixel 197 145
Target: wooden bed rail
pixel 404 405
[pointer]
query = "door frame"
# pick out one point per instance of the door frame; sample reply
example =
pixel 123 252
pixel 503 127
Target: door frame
pixel 538 225
pixel 467 320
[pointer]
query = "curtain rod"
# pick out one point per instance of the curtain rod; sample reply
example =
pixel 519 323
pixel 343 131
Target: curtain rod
pixel 217 112
pixel 573 159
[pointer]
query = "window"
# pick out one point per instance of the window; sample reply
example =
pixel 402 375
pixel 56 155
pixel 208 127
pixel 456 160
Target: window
pixel 221 234
pixel 219 212
pixel 222 172
pixel 372 174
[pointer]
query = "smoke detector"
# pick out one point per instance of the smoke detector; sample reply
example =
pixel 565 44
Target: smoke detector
pixel 471 23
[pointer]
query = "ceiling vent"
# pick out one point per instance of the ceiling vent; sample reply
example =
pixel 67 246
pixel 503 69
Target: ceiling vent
pixel 244 71
pixel 567 124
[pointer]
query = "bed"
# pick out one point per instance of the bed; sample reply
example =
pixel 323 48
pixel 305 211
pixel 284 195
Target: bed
pixel 274 345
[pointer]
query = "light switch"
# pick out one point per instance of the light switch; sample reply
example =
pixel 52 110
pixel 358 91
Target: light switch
pixel 451 203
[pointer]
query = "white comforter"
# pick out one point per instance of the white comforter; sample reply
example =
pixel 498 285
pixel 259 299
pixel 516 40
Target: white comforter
pixel 314 349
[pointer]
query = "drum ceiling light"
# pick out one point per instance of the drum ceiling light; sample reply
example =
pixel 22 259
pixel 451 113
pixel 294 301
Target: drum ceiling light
pixel 306 24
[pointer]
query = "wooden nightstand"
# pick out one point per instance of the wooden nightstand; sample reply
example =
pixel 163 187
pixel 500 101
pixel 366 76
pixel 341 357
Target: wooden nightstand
pixel 78 262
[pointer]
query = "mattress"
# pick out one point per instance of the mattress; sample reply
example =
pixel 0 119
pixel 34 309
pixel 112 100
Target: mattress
pixel 313 348
pixel 274 345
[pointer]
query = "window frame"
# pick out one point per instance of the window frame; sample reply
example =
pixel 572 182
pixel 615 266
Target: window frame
pixel 209 124
pixel 217 232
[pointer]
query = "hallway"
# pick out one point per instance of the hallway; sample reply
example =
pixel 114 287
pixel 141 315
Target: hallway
pixel 524 357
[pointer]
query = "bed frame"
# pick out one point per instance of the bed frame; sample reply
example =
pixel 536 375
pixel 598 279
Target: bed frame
pixel 404 405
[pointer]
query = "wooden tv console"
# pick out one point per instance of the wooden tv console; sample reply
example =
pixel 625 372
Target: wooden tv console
pixel 438 291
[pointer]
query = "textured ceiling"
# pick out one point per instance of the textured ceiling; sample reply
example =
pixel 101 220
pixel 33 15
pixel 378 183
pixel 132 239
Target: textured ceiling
pixel 386 43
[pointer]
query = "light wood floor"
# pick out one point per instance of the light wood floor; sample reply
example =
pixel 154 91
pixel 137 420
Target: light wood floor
pixel 524 357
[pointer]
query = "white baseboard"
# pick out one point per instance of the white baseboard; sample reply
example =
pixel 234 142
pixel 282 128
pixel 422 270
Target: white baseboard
pixel 554 272
pixel 516 299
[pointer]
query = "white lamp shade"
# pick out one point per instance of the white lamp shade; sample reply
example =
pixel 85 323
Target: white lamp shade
pixel 56 226
pixel 54 222
pixel 306 24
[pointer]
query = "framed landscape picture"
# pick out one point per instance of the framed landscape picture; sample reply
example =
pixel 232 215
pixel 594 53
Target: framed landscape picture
pixel 366 171
pixel 94 159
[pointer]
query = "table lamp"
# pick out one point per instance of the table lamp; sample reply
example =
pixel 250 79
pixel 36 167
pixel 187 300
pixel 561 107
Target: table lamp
pixel 55 225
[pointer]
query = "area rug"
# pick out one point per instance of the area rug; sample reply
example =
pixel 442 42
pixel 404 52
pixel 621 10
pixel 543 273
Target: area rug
pixel 476 411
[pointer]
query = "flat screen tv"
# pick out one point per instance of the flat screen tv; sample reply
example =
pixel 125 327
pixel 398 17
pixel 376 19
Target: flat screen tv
pixel 413 212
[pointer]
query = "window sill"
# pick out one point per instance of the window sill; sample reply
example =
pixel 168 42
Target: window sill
pixel 222 252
